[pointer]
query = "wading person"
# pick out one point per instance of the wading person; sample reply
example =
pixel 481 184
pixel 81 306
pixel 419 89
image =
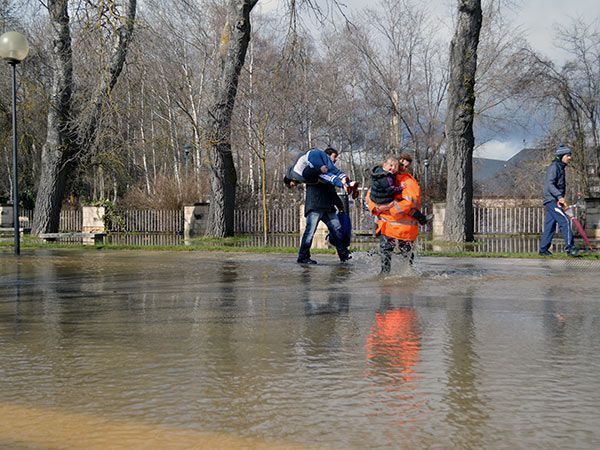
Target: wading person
pixel 554 201
pixel 398 226
pixel 320 206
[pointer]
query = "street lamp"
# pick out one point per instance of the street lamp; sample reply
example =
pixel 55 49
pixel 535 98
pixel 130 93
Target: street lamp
pixel 14 49
pixel 426 164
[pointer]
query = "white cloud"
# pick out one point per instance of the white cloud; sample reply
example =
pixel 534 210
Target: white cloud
pixel 494 149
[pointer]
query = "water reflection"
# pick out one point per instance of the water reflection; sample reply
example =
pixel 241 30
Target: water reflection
pixel 326 299
pixel 228 275
pixel 467 413
pixel 336 292
pixel 18 281
pixel 554 320
pixel 394 342
pixel 393 350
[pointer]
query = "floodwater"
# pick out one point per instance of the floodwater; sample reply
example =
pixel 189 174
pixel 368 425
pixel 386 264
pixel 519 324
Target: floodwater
pixel 103 349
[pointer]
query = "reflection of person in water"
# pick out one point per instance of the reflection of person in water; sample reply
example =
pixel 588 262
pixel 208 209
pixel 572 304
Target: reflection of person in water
pixel 338 295
pixel 324 302
pixel 394 342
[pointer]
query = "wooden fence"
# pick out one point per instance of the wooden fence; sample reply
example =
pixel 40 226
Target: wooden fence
pixel 148 221
pixel 279 220
pixel 488 220
pixel 71 220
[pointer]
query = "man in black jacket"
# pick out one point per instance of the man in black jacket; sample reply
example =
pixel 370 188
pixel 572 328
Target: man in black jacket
pixel 554 200
pixel 321 203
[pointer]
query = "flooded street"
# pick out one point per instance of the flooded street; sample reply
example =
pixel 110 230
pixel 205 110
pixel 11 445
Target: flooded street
pixel 113 349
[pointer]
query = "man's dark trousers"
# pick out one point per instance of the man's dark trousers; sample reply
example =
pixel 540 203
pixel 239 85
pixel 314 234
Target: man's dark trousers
pixel 332 222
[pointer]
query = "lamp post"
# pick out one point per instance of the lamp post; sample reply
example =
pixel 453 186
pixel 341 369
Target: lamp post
pixel 14 49
pixel 426 164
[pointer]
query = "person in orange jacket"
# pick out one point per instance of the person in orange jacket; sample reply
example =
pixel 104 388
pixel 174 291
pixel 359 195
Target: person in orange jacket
pixel 398 226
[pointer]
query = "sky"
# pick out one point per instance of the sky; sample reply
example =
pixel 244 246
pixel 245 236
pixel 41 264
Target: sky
pixel 538 20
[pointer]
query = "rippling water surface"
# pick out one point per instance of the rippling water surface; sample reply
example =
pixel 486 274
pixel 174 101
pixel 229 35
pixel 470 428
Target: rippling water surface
pixel 180 350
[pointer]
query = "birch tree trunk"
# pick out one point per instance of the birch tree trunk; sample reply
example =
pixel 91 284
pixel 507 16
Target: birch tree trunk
pixel 143 140
pixel 458 223
pixel 234 44
pixel 70 134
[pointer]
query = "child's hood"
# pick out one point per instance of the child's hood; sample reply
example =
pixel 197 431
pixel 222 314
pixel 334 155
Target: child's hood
pixel 379 172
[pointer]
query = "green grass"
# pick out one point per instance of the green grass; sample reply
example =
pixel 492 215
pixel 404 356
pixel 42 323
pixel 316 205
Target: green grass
pixel 235 245
pixel 200 244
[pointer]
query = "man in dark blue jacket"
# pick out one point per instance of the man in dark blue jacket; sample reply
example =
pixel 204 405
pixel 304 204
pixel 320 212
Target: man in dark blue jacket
pixel 321 203
pixel 555 203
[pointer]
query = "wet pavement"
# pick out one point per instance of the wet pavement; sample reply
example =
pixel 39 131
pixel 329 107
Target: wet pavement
pixel 113 349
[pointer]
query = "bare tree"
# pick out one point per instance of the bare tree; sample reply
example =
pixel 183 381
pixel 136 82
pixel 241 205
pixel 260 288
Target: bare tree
pixel 403 80
pixel 234 44
pixel 70 132
pixel 458 223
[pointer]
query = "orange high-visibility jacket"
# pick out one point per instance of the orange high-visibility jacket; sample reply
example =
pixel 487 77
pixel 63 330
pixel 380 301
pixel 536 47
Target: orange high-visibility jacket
pixel 396 220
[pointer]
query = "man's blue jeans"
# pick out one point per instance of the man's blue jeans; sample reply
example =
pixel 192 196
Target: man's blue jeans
pixel 332 222
pixel 555 215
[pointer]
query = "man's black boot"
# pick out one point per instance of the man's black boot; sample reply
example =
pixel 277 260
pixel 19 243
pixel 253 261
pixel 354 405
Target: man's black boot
pixel 306 261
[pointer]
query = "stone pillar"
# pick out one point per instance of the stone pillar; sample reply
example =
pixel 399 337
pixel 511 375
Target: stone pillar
pixel 592 218
pixel 188 221
pixel 93 219
pixel 6 216
pixel 195 220
pixel 6 219
pixel 439 213
pixel 319 240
